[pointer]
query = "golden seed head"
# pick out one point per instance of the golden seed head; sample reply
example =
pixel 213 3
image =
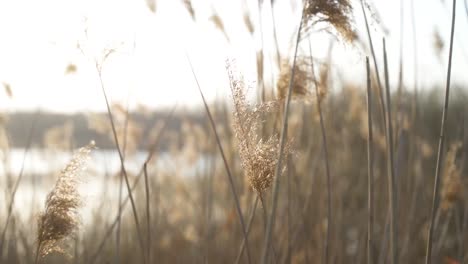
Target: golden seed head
pixel 60 220
pixel 302 80
pixel 258 155
pixel 337 13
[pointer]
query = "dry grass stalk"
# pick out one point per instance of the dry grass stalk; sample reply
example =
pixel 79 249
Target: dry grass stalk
pixel 322 83
pixel 151 153
pixel 260 62
pixel 337 13
pixel 259 156
pixel 60 220
pixel 370 170
pixel 441 142
pixel 376 68
pixel 392 186
pixel 226 165
pixel 282 146
pixel 451 191
pixel 329 221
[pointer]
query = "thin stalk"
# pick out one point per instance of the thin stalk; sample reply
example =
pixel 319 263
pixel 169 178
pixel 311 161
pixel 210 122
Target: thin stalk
pixel 262 48
pixel 151 151
pixel 379 83
pixel 122 164
pixel 249 225
pixel 415 58
pixel 124 147
pixel 370 169
pixel 461 250
pixel 327 166
pixel 228 170
pixel 148 213
pixel 265 222
pixel 466 8
pixel 275 36
pixel 392 190
pixel 400 76
pixel 289 218
pixel 18 181
pixel 38 248
pixel 284 129
pixel 435 194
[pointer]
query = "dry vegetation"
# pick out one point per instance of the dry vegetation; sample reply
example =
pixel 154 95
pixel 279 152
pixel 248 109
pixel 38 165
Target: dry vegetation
pixel 307 172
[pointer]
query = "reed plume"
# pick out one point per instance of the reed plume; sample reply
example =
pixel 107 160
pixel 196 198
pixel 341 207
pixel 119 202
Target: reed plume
pixel 337 13
pixel 258 155
pixel 60 219
pixel 302 80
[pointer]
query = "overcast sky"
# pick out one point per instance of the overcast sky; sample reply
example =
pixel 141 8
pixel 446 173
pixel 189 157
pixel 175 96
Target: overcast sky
pixel 39 39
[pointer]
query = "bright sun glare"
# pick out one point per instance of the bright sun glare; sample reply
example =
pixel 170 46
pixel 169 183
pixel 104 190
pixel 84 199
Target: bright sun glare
pixel 41 40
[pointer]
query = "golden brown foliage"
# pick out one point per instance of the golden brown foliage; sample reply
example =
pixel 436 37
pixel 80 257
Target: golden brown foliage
pixel 337 13
pixel 60 219
pixel 302 80
pixel 258 155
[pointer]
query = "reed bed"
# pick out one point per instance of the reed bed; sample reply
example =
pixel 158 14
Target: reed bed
pixel 304 169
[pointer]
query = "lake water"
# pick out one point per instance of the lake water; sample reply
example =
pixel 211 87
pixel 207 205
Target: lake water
pixel 41 169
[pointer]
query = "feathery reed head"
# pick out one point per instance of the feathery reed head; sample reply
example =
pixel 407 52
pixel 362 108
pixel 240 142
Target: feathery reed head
pixel 258 155
pixel 451 181
pixel 60 219
pixel 302 79
pixel 337 13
